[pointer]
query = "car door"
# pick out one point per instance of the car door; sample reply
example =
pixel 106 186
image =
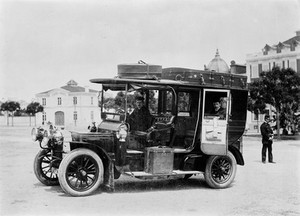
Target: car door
pixel 214 132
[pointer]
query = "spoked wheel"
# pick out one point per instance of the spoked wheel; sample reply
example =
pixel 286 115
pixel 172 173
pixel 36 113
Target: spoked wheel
pixel 46 167
pixel 81 172
pixel 220 170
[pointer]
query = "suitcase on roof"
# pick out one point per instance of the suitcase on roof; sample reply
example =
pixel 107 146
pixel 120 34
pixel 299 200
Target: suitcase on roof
pixel 140 71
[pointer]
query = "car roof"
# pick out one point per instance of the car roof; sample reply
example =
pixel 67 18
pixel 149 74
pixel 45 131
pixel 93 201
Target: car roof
pixel 116 83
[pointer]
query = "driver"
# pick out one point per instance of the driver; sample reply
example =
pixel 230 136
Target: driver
pixel 140 119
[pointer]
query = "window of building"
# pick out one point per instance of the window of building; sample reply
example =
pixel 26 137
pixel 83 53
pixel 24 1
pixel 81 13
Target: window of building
pixel 75 116
pixel 278 49
pixel 74 100
pixel 92 100
pixel 283 64
pixel 59 101
pixel 251 75
pixel 44 117
pixel 255 73
pixel 274 64
pixel 44 101
pixel 288 63
pixel 259 68
pixel 266 49
pixel 293 45
pixel 269 66
pixel 298 66
pixel 92 116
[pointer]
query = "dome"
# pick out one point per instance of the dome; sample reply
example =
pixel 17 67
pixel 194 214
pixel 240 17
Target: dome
pixel 72 83
pixel 217 64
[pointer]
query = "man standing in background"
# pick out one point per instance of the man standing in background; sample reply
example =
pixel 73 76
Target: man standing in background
pixel 267 140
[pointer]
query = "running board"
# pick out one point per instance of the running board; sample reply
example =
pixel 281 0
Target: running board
pixel 173 173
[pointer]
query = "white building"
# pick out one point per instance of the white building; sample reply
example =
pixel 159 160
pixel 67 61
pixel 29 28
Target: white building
pixel 285 54
pixel 69 106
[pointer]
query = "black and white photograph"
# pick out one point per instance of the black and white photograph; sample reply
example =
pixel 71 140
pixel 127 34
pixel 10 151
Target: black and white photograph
pixel 150 107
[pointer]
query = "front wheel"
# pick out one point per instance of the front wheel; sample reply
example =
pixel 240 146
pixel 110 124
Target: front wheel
pixel 45 167
pixel 220 170
pixel 81 172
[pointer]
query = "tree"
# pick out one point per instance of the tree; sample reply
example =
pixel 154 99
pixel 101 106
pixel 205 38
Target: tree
pixel 279 88
pixel 120 100
pixel 33 108
pixel 256 106
pixel 10 107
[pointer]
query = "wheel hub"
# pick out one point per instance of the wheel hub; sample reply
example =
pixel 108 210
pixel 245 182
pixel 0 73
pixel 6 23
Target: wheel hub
pixel 82 174
pixel 220 170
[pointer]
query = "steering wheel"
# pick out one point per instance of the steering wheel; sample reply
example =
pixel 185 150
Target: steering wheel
pixel 164 124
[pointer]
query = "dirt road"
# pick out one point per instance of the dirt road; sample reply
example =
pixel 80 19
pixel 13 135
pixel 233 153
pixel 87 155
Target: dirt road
pixel 258 189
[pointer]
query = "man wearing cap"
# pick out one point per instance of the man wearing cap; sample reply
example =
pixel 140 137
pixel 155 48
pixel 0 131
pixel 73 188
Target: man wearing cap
pixel 218 110
pixel 140 119
pixel 267 140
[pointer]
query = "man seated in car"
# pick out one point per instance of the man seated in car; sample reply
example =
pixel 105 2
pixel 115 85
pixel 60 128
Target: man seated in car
pixel 218 110
pixel 140 119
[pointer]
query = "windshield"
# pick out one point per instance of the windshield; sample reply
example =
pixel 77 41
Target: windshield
pixel 117 103
pixel 113 105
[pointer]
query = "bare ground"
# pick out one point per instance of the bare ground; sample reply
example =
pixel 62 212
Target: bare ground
pixel 258 189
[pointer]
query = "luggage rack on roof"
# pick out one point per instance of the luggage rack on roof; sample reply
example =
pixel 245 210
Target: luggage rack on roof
pixel 155 74
pixel 204 77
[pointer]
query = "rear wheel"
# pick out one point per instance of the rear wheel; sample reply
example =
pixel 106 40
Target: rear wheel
pixel 81 172
pixel 45 167
pixel 220 170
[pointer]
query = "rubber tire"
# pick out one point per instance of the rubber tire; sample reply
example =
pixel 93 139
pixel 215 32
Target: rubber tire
pixel 38 171
pixel 63 181
pixel 210 180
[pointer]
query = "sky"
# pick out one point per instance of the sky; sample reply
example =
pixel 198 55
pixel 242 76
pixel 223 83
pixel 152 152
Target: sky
pixel 46 43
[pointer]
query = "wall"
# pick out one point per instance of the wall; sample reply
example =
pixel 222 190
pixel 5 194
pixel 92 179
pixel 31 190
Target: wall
pixel 18 121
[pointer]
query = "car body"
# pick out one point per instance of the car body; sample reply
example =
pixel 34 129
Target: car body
pixel 184 138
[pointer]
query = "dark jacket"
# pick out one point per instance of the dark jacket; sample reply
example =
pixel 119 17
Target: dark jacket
pixel 266 132
pixel 220 112
pixel 140 119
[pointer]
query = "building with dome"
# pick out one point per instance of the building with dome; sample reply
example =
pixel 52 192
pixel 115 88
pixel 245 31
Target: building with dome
pixel 217 64
pixel 69 106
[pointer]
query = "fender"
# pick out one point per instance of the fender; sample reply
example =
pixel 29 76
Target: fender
pixel 237 154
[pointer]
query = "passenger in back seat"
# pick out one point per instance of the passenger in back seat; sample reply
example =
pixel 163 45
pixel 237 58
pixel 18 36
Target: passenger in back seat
pixel 218 110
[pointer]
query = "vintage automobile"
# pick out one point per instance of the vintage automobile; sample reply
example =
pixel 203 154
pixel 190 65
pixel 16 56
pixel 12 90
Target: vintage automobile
pixel 185 137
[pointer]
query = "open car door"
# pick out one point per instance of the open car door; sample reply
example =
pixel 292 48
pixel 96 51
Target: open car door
pixel 214 136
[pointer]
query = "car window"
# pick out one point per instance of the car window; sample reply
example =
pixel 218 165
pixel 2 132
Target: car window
pixel 215 105
pixel 184 104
